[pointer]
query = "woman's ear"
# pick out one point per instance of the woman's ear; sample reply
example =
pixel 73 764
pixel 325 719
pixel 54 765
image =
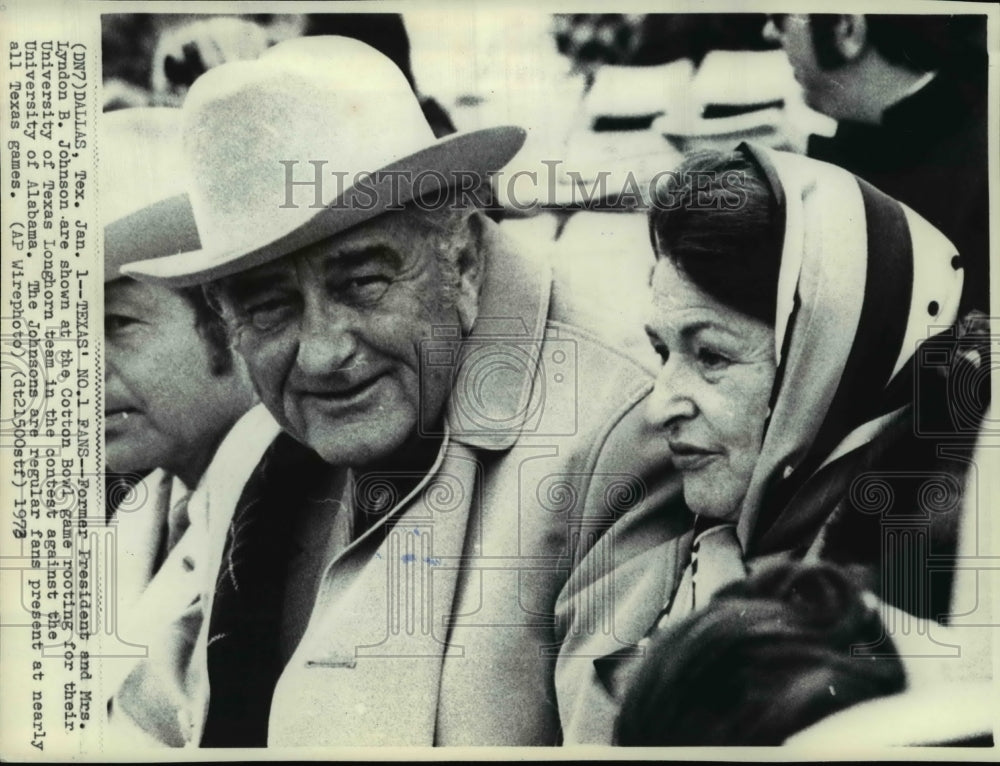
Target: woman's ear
pixel 471 264
pixel 850 35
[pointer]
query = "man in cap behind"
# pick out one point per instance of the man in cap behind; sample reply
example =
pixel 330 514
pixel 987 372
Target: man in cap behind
pixel 452 446
pixel 172 391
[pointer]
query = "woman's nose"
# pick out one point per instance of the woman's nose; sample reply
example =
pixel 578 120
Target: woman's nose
pixel 670 401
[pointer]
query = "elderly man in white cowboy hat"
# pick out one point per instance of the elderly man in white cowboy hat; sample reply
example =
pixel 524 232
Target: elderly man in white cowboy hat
pixel 172 392
pixel 453 445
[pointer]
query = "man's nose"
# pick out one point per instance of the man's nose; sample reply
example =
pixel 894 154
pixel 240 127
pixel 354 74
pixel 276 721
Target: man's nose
pixel 326 341
pixel 670 402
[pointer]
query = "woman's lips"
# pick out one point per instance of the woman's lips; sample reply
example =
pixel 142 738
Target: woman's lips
pixel 687 457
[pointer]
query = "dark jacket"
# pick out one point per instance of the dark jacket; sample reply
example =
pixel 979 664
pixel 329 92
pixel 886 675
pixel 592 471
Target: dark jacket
pixel 930 152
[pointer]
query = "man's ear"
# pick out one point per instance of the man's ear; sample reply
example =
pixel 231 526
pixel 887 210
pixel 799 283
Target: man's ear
pixel 471 264
pixel 850 36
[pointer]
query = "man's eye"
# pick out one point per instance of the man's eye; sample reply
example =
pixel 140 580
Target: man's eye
pixel 364 289
pixel 115 324
pixel 269 315
pixel 712 360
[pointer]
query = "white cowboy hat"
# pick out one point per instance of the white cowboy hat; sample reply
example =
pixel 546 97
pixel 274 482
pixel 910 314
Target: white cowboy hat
pixel 330 108
pixel 143 207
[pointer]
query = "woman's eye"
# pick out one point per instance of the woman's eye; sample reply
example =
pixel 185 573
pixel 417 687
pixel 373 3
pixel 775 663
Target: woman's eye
pixel 712 360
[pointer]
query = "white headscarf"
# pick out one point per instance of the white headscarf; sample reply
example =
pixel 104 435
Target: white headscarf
pixel 863 281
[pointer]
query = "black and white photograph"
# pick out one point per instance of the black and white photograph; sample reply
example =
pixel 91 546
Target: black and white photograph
pixel 499 376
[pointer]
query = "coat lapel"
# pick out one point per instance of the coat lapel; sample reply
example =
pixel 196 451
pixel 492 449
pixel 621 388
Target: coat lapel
pixel 138 535
pixel 378 634
pixel 650 553
pixel 138 538
pixel 498 362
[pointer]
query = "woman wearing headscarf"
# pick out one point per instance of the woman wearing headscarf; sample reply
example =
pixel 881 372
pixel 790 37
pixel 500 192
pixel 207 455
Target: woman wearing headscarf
pixel 789 300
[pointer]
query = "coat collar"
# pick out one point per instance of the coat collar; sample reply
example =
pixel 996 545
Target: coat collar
pixel 499 361
pixel 140 532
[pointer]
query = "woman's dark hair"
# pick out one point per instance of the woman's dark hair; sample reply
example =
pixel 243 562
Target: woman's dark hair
pixel 716 220
pixel 768 656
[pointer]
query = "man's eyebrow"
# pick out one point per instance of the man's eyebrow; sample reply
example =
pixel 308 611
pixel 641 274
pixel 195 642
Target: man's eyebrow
pixel 123 292
pixel 242 285
pixel 122 286
pixel 362 255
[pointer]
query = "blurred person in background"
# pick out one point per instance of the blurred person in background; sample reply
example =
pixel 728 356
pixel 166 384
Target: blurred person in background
pixel 173 387
pixel 173 390
pixel 152 59
pixel 788 336
pixel 648 39
pixel 909 93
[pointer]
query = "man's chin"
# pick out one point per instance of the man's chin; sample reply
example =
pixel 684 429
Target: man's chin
pixel 128 467
pixel 122 455
pixel 357 447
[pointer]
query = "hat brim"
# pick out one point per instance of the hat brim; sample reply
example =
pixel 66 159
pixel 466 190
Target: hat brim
pixel 161 230
pixel 476 153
